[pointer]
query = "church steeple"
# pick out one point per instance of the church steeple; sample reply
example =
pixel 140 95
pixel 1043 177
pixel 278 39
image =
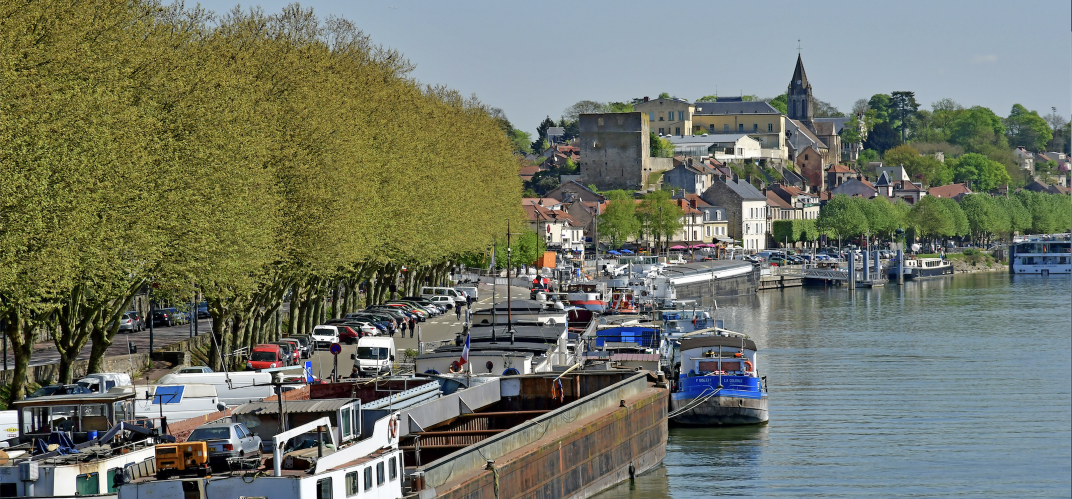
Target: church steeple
pixel 799 99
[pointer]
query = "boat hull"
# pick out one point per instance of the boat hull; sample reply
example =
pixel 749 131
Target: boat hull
pixel 721 411
pixel 922 273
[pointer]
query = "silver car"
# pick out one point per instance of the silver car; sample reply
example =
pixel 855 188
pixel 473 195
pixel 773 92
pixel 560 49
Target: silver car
pixel 230 445
pixel 129 323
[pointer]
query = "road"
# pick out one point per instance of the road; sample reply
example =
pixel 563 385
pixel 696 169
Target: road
pixel 444 327
pixel 435 329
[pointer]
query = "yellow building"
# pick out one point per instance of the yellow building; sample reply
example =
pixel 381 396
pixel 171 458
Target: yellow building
pixel 671 116
pixel 757 119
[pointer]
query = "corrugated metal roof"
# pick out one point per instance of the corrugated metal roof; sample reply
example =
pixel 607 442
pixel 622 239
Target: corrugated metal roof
pixel 292 406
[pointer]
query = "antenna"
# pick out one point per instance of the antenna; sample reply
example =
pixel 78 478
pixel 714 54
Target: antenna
pixel 798 46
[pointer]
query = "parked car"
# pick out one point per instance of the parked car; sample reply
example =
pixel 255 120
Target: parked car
pixel 446 301
pixel 195 369
pixel 230 445
pixel 164 317
pixel 306 343
pixel 102 382
pixel 72 389
pixel 202 311
pixel 181 317
pixel 348 334
pixel 293 355
pixel 324 336
pixel 266 356
pixel 383 322
pixel 129 323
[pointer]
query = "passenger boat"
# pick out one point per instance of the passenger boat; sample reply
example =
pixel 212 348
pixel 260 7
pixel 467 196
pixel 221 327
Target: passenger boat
pixel 718 381
pixel 622 301
pixel 1045 254
pixel 916 268
pixel 683 317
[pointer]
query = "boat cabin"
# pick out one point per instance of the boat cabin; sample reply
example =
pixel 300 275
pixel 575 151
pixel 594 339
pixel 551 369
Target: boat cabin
pixel 263 417
pixel 520 311
pixel 78 414
pixel 718 355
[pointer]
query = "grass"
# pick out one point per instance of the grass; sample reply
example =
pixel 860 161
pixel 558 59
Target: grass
pixel 654 178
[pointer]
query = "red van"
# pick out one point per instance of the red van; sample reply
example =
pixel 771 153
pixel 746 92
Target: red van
pixel 265 357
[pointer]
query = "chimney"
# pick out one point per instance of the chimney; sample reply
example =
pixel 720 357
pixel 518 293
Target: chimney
pixel 645 98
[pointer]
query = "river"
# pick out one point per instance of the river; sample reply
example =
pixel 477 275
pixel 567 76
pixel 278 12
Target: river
pixel 947 387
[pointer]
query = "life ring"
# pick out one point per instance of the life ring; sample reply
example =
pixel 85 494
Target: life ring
pixel 557 392
pixel 749 365
pixel 393 427
pixel 738 354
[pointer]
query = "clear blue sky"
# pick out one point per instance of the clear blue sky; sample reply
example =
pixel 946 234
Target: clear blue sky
pixel 534 59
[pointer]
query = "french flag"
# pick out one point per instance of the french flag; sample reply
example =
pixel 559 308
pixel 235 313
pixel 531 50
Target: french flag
pixel 465 351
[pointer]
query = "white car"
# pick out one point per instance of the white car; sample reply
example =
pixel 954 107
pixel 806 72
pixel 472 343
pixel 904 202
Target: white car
pixel 325 336
pixel 443 301
pixel 366 328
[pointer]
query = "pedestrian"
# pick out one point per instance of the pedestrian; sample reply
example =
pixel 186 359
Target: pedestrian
pixel 403 326
pixel 412 328
pixel 458 311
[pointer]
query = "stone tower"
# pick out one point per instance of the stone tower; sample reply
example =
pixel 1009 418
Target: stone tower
pixel 799 101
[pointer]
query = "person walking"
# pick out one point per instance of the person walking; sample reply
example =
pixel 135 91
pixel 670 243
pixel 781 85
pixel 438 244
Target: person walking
pixel 458 312
pixel 403 328
pixel 412 327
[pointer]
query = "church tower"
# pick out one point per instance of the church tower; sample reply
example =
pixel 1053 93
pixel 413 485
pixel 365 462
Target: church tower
pixel 799 102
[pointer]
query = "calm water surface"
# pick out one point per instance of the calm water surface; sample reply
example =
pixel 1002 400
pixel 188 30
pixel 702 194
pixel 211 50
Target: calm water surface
pixel 949 387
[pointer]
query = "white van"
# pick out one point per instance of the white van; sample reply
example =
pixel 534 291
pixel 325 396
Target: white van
pixel 429 292
pixel 9 425
pixel 374 356
pixel 325 336
pixel 102 382
pixel 243 387
pixel 176 402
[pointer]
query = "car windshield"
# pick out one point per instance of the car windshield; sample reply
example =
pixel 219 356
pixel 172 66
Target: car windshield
pixel 371 353
pixel 262 356
pixel 202 434
pixel 323 332
pixel 42 392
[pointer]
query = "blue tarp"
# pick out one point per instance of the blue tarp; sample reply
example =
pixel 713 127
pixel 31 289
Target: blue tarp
pixel 613 252
pixel 66 446
pixel 626 252
pixel 643 336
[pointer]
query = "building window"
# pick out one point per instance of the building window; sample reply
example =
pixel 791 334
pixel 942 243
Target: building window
pixel 380 475
pixel 677 130
pixel 740 127
pixel 681 115
pixel 770 127
pixel 352 487
pixel 323 489
pixel 707 232
pixel 651 116
pixel 660 131
pixel 726 128
pixel 711 127
pixel 805 156
pixel 755 127
pixel 368 478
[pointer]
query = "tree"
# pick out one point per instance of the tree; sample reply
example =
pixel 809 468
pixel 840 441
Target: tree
pixel 841 217
pixel 982 215
pixel 781 103
pixel 1062 140
pixel 976 127
pixel 1019 217
pixel 708 98
pixel 866 156
pixel 904 104
pixel 1027 129
pixel 540 144
pixel 882 216
pixel 983 173
pixel 959 226
pixel 930 218
pixel 880 104
pixel 619 222
pixel 882 138
pixel 664 95
pixel 659 216
pixel 860 107
pixel 521 141
pixel 923 168
pixel 823 109
pixel 851 133
pixel 619 107
pixel 659 147
pixel 574 112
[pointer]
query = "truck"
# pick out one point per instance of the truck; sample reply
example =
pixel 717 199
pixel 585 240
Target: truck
pixel 373 357
pixel 102 382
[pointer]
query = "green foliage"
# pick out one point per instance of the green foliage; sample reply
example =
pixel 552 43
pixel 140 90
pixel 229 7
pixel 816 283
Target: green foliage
pixel 931 219
pixel 976 127
pixel 521 140
pixel 780 103
pixel 880 106
pixel 619 107
pixel 664 95
pixel 866 156
pixel 659 217
pixel 660 147
pixel 984 173
pixel 922 168
pixel 903 105
pixel 851 133
pixel 708 98
pixel 1050 213
pixel 618 222
pixel 794 231
pixel 958 221
pixel 882 138
pixel 841 217
pixel 1027 129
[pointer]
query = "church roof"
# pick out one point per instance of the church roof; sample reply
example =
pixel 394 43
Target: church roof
pixel 799 75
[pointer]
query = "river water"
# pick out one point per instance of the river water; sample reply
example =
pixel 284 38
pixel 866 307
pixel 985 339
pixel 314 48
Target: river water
pixel 947 387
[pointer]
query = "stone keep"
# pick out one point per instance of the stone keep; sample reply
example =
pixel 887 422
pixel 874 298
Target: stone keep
pixel 615 150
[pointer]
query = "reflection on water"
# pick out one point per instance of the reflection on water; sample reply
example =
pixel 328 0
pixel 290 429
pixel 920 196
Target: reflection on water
pixel 951 387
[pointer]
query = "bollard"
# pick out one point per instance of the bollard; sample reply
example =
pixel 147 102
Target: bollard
pixel 852 270
pixel 867 263
pixel 878 268
pixel 900 266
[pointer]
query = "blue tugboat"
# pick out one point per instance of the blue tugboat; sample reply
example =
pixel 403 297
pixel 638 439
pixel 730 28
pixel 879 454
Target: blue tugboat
pixel 718 381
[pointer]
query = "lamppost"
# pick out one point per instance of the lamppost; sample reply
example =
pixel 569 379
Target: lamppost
pixel 658 224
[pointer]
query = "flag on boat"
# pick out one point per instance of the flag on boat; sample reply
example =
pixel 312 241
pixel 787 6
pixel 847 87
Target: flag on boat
pixel 465 351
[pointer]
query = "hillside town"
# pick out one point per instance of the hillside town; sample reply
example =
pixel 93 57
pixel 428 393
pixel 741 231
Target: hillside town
pixel 734 167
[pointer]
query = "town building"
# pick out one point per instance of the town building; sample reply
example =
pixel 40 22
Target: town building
pixel 856 186
pixel 954 191
pixel 723 147
pixel 805 206
pixel 554 224
pixel 671 116
pixel 746 210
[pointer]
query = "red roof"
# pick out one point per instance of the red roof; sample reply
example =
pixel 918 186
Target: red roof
pixel 776 201
pixel 840 169
pixel 949 191
pixel 528 170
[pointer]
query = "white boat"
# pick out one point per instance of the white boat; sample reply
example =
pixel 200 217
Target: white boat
pixel 917 268
pixel 1045 254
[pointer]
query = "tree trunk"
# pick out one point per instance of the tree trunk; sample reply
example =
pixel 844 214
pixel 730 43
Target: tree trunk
pixel 292 313
pixel 215 346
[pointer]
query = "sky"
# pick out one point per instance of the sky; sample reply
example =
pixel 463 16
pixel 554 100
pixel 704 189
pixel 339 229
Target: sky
pixel 535 59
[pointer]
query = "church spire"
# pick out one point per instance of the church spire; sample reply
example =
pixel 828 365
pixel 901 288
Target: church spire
pixel 800 78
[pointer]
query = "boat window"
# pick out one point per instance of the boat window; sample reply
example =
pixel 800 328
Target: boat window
pixel 368 477
pixel 323 488
pixel 351 484
pixel 393 470
pixel 346 422
pixel 380 478
pixel 123 411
